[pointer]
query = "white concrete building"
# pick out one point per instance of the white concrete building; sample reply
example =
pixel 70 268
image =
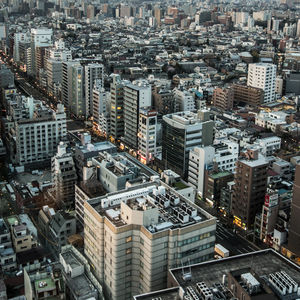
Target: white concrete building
pixel 184 99
pixel 101 108
pixel 263 76
pixel 92 72
pixel 34 139
pixel 270 120
pixel 40 37
pixel 223 156
pixel 147 135
pixel 132 237
pixel 269 145
pixel 19 37
pixel 136 96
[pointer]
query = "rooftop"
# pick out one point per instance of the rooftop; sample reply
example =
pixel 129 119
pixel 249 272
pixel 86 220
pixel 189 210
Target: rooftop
pixel 168 209
pixel 220 175
pixel 262 262
pixel 45 284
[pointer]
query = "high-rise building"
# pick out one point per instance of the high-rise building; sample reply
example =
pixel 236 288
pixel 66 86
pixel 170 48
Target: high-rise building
pixel 63 177
pixel 130 243
pixel 92 72
pixel 54 75
pixel 101 108
pixel 117 107
pixel 294 230
pixel 19 37
pixel 263 76
pixel 157 15
pixel 182 132
pixel 298 28
pixel 73 87
pixel 136 96
pixel 90 11
pixel 223 98
pixel 147 135
pixel 40 37
pixel 250 187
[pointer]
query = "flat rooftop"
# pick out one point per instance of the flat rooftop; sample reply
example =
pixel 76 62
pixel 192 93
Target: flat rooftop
pixel 45 284
pixel 12 220
pixel 262 262
pixel 169 209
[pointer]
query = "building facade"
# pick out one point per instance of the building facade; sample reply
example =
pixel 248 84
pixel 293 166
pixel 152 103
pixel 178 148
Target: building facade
pixel 131 246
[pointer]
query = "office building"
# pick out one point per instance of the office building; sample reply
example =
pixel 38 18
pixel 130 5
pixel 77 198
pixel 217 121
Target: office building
pixel 40 38
pixel 256 275
pixel 73 87
pixel 263 76
pixel 250 188
pixel 54 75
pixel 147 135
pixel 136 96
pixel 36 131
pixel 182 132
pixel 63 177
pixel 294 230
pixel 223 98
pixel 131 244
pixel 115 170
pixel 214 182
pixel 269 216
pixel 117 107
pixel 92 72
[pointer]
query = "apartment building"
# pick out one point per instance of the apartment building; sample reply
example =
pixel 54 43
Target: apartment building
pixel 250 187
pixel 263 76
pixel 63 176
pixel 185 100
pixel 223 98
pixel 269 145
pixel 117 107
pixel 134 236
pixel 248 95
pixel 182 132
pixel 221 156
pixel 34 139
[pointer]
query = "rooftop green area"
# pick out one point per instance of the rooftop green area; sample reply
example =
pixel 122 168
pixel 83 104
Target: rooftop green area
pixel 12 220
pixel 220 175
pixel 45 284
pixel 179 185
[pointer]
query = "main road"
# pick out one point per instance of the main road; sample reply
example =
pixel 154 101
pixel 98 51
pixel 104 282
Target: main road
pixel 233 242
